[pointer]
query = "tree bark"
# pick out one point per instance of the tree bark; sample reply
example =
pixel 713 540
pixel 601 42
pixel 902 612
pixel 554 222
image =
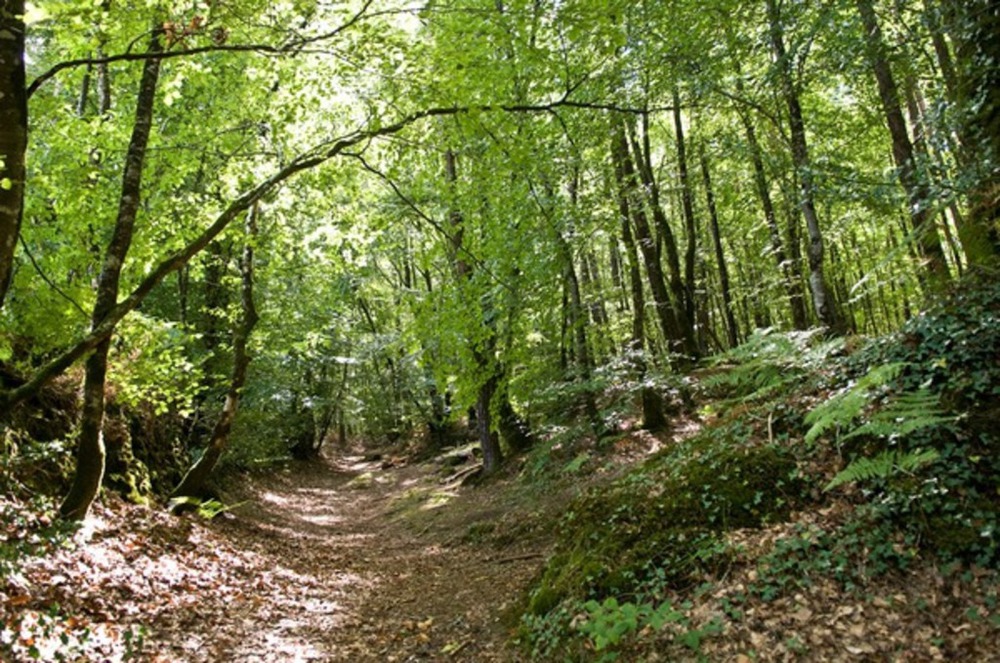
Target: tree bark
pixel 193 483
pixel 826 309
pixel 13 136
pixel 90 445
pixel 935 274
pixel 682 339
pixel 577 320
pixel 793 286
pixel 687 205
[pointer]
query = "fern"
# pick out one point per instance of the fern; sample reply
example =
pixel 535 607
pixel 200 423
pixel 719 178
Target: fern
pixel 767 363
pixel 842 409
pixel 903 415
pixel 882 466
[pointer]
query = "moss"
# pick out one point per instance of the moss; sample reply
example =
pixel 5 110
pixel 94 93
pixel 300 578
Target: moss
pixel 665 517
pixel 951 535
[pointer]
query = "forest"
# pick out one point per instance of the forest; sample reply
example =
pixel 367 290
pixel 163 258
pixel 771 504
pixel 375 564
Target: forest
pixel 499 330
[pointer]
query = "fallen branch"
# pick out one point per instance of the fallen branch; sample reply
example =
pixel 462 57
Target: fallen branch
pixel 464 474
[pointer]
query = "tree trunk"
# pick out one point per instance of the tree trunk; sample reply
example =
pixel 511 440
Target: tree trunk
pixel 514 430
pixel 976 32
pixel 13 136
pixel 90 445
pixel 935 273
pixel 665 311
pixel 652 406
pixel 193 483
pixel 916 109
pixel 793 286
pixel 687 205
pixel 682 338
pixel 932 12
pixel 732 331
pixel 489 441
pixel 823 302
pixel 578 325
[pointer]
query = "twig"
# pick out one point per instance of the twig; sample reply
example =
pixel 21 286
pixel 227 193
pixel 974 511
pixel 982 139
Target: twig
pixel 45 278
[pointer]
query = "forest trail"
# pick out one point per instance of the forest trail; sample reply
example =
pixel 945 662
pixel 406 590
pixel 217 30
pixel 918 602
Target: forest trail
pixel 379 564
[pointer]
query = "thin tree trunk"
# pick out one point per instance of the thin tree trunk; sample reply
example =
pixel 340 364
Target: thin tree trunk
pixel 933 14
pixel 614 255
pixel 687 205
pixel 732 331
pixel 665 311
pixel 90 446
pixel 934 274
pixel 578 325
pixel 193 483
pixel 81 102
pixel 13 136
pixel 793 284
pixel 652 406
pixel 823 302
pixel 916 109
pixel 488 440
pixel 683 336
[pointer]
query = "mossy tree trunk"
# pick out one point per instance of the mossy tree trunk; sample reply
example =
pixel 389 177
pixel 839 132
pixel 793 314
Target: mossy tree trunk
pixel 975 28
pixel 193 483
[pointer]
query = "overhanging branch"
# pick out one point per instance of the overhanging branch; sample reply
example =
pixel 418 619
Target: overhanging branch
pixel 310 159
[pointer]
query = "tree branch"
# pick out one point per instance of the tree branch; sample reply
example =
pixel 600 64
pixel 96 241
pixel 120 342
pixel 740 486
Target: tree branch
pixel 293 47
pixel 310 159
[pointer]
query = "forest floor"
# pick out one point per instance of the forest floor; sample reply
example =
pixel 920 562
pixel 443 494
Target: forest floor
pixel 383 558
pixel 387 560
pixel 335 560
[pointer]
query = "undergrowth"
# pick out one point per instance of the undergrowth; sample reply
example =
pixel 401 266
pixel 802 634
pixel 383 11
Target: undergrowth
pixel 901 431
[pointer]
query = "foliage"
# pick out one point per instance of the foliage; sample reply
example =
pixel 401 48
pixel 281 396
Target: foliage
pixel 767 365
pixel 882 466
pixel 866 547
pixel 659 526
pixel 205 508
pixel 157 365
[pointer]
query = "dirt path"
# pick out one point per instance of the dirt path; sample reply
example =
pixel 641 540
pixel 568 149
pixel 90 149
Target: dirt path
pixel 378 565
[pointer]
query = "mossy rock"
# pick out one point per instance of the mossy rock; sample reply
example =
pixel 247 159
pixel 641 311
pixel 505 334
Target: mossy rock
pixel 667 517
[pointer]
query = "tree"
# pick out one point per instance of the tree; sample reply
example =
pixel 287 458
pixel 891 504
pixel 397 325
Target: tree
pixel 974 27
pixel 935 271
pixel 826 308
pixel 193 483
pixel 90 453
pixel 14 137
